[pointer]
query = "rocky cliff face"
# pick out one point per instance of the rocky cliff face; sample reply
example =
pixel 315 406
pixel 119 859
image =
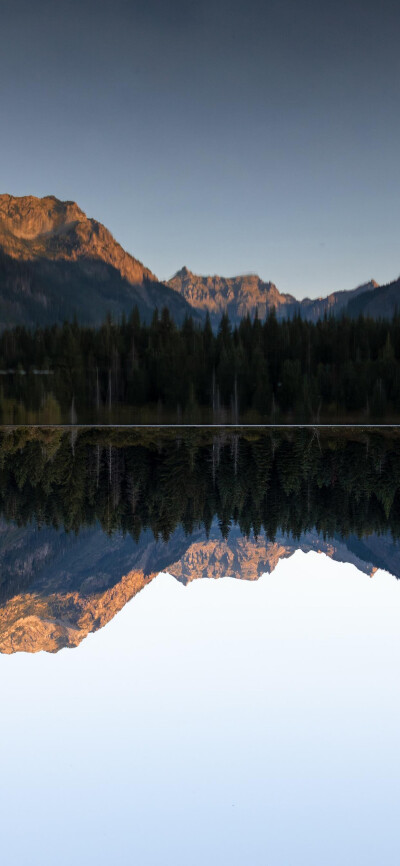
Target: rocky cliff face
pixel 36 228
pixel 32 622
pixel 68 587
pixel 237 296
pixel 56 262
pixel 243 295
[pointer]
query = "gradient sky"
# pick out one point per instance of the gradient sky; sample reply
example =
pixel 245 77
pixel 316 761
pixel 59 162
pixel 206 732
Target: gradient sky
pixel 227 136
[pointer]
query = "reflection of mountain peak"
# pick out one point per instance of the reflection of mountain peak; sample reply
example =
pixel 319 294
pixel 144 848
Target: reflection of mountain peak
pixel 244 558
pixel 31 622
pixel 55 612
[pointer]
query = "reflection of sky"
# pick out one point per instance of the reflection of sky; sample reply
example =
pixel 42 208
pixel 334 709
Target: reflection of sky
pixel 225 722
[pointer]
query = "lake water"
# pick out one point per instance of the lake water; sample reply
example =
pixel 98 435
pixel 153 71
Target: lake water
pixel 200 645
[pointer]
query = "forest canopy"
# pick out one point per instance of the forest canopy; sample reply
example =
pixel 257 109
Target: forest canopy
pixel 291 370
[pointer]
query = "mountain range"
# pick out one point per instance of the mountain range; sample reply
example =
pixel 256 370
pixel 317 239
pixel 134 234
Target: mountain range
pixel 247 294
pixel 58 587
pixel 55 263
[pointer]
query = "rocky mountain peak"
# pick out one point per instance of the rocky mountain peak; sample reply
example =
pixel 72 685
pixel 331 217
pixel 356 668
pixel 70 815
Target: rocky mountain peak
pixel 245 294
pixel 183 273
pixel 47 228
pixel 28 217
pixel 238 296
pixel 55 262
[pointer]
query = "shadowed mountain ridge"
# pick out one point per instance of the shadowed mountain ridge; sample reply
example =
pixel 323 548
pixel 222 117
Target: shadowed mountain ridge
pixel 55 263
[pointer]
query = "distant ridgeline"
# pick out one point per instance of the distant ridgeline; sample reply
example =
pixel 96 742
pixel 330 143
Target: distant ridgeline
pixel 332 370
pixel 275 480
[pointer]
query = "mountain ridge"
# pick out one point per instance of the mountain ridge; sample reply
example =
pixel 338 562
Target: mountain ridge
pixel 55 262
pixel 246 294
pixel 67 588
pixel 46 227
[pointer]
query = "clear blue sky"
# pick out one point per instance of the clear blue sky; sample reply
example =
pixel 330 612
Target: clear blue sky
pixel 226 136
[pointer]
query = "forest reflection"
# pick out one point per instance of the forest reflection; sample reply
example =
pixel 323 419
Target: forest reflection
pixel 345 481
pixel 89 517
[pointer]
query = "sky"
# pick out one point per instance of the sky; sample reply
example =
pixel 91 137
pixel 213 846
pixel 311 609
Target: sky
pixel 223 722
pixel 230 137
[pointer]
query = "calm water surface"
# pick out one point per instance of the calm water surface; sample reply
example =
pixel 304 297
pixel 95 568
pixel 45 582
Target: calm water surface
pixel 151 714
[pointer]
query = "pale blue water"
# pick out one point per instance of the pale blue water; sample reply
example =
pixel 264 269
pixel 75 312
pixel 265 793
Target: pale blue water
pixel 225 722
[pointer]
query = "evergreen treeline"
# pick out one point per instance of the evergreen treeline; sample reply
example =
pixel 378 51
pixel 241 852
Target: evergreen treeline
pixel 275 480
pixel 267 371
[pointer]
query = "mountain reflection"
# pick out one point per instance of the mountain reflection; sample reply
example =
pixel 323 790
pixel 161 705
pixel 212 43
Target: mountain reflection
pixel 89 517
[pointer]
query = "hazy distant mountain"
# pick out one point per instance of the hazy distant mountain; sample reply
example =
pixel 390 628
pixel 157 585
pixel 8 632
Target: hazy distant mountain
pixel 383 302
pixel 243 295
pixel 56 262
pixel 56 587
pixel 313 309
